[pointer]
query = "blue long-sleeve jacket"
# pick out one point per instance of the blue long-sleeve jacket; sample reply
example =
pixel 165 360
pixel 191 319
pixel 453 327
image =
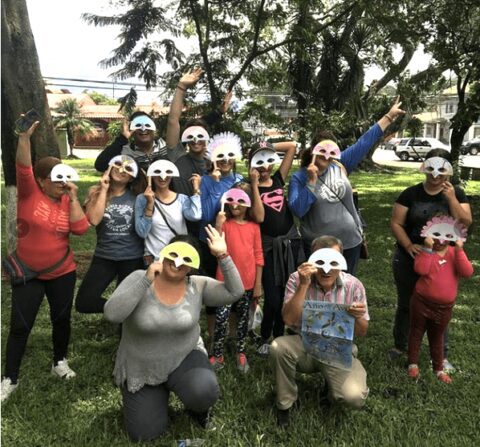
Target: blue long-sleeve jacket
pixel 212 192
pixel 300 198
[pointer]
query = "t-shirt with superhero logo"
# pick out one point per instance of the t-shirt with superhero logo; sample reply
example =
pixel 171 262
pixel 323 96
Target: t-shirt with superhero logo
pixel 278 217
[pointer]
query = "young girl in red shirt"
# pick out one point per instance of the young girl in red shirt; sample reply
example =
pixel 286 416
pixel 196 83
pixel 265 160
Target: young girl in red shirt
pixel 244 245
pixel 440 266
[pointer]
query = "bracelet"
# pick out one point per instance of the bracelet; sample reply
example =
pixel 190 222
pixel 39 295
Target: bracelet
pixel 222 256
pixel 150 210
pixel 182 88
pixel 389 118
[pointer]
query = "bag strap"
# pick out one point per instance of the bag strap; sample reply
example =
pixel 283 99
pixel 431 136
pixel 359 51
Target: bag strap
pixel 53 267
pixel 341 201
pixel 159 208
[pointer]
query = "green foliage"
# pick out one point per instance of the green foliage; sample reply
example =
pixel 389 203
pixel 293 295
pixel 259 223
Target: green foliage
pixel 100 98
pixel 86 411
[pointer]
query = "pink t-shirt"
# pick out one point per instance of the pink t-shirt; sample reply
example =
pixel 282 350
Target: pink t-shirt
pixel 43 227
pixel 244 244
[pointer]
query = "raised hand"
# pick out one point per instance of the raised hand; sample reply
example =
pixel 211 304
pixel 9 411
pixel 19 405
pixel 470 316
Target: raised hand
pixel 428 242
pixel 196 181
pixel 448 191
pixel 395 110
pixel 305 272
pixel 254 176
pixel 105 179
pixel 312 173
pixel 220 220
pixel 190 78
pixel 216 241
pixel 126 129
pixel 72 190
pixel 414 249
pixel 216 174
pixel 357 310
pixel 155 268
pixel 226 102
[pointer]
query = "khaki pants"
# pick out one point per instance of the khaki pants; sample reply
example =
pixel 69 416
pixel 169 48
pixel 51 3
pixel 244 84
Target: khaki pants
pixel 288 356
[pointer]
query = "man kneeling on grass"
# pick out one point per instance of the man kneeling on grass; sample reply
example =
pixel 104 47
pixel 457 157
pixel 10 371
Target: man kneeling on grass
pixel 316 282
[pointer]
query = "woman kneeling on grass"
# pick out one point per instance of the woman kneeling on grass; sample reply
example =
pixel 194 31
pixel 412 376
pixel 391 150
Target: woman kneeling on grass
pixel 48 210
pixel 161 349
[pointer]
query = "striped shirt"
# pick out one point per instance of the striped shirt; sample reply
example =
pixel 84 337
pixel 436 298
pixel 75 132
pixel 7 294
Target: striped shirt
pixel 346 290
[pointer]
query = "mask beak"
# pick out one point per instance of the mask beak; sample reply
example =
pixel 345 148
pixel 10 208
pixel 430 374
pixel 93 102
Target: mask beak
pixel 178 262
pixel 326 269
pixel 121 170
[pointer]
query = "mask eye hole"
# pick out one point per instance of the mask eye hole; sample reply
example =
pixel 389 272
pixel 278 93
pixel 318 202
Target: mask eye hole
pixel 230 199
pixel 190 137
pixel 320 262
pixel 260 162
pixel 118 164
pixel 429 169
pixel 187 259
pixel 220 157
pixel 231 154
pixel 332 152
pixel 334 263
pixel 59 176
pixel 270 160
pixel 442 170
pixel 169 171
pixel 242 201
pixel 199 136
pixel 173 255
pixel 449 236
pixel 147 125
pixel 138 126
pixel 157 171
pixel 128 168
pixel 437 234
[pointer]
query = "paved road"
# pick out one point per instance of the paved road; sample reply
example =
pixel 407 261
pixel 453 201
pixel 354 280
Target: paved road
pixel 388 158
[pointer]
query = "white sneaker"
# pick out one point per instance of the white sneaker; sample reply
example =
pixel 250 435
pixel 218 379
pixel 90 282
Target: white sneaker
pixel 62 370
pixel 7 388
pixel 447 366
pixel 263 350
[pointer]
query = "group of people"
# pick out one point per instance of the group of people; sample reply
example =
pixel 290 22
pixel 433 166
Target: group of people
pixel 178 228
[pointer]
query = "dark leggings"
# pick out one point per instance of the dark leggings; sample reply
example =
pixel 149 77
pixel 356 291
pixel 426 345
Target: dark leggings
pixel 405 280
pixel 427 316
pixel 146 411
pixel 241 307
pixel 26 301
pixel 100 274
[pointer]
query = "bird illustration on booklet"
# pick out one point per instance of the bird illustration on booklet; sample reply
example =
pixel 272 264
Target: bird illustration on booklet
pixel 327 332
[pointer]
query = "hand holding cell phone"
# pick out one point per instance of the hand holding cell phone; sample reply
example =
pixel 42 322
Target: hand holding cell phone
pixel 26 121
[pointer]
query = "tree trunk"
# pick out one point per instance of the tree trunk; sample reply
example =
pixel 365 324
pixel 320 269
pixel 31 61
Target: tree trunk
pixel 71 141
pixel 22 89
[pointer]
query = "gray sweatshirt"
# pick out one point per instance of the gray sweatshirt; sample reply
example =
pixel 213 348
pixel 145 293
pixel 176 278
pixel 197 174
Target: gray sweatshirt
pixel 157 337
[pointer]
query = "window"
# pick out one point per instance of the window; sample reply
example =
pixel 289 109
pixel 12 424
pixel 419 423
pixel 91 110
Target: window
pixel 449 107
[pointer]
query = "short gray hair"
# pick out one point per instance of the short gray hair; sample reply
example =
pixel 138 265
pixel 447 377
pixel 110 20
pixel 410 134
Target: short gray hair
pixel 326 242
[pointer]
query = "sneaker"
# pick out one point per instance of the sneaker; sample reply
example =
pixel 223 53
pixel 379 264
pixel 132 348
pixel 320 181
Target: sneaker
pixel 447 366
pixel 263 350
pixel 395 354
pixel 283 417
pixel 62 370
pixel 217 362
pixel 443 377
pixel 413 371
pixel 7 388
pixel 242 363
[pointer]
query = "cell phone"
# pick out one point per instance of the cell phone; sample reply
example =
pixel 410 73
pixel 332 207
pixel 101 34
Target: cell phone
pixel 25 122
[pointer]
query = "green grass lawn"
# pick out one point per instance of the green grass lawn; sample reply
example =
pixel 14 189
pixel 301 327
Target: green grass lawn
pixel 87 410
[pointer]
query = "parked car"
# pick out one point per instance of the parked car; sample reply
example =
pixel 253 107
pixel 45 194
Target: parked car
pixel 391 144
pixel 417 148
pixel 471 147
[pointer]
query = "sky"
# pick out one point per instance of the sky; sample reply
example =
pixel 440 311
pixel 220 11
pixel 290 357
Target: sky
pixel 68 47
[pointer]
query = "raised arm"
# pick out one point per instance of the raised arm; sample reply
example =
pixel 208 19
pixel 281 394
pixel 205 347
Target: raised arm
pixel 97 199
pixel 295 293
pixel 354 154
pixel 101 163
pixel 173 125
pixel 126 296
pixel 289 148
pixel 257 210
pixel 24 156
pixel 460 211
pixel 300 194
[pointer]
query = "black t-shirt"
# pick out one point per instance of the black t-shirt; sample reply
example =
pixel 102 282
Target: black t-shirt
pixel 422 207
pixel 187 166
pixel 278 217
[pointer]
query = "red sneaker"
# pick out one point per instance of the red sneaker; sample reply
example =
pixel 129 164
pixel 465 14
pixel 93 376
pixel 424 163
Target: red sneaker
pixel 217 362
pixel 242 363
pixel 443 377
pixel 413 371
